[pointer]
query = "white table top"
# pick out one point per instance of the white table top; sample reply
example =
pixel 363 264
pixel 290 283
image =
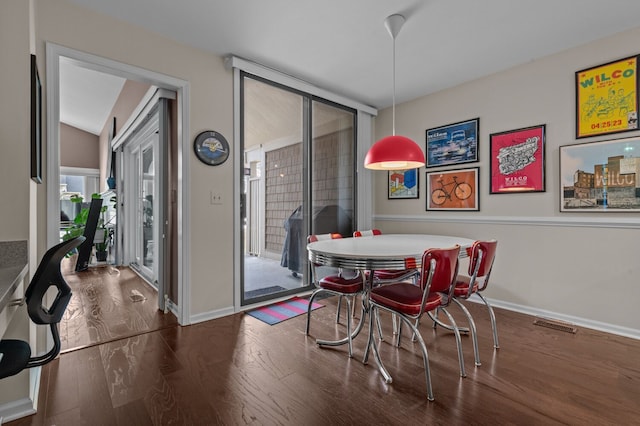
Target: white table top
pixel 386 251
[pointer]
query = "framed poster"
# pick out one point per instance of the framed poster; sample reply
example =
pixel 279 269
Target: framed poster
pixel 453 190
pixel 455 143
pixel 403 184
pixel 600 176
pixel 517 160
pixel 607 98
pixel 36 123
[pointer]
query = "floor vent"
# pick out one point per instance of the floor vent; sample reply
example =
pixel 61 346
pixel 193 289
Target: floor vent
pixel 556 324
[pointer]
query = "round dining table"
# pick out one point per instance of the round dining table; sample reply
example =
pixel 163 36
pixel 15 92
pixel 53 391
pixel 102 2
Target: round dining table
pixel 378 252
pixel 386 251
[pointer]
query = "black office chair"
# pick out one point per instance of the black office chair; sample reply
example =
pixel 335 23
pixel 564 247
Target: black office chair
pixel 16 354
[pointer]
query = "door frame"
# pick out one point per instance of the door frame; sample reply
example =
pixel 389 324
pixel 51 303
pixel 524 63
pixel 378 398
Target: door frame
pixel 145 136
pixel 54 52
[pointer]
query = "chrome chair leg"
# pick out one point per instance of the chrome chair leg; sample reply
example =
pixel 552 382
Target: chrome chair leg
pixel 379 326
pixel 365 358
pixel 493 321
pixel 349 326
pixel 339 309
pixel 313 296
pixel 456 330
pixel 472 327
pixel 463 373
pixel 425 357
pixel 376 354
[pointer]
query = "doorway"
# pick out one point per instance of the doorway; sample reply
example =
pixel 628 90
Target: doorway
pixel 179 305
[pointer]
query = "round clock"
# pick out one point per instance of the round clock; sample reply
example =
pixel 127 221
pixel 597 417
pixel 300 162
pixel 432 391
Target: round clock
pixel 211 148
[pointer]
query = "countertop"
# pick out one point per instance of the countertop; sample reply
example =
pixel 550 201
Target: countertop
pixel 13 268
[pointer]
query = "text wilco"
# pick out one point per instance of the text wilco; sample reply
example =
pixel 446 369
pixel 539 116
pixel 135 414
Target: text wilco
pixel 602 78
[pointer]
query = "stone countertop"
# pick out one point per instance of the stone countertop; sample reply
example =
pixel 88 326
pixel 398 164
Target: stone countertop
pixel 13 268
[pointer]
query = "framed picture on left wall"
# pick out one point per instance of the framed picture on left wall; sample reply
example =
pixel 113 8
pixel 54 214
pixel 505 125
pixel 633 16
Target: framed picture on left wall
pixel 36 123
pixel 403 184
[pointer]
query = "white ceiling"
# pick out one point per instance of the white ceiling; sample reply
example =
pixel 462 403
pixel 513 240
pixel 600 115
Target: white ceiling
pixel 342 45
pixel 86 96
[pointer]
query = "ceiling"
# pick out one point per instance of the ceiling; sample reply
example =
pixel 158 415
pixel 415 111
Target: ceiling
pixel 86 96
pixel 343 46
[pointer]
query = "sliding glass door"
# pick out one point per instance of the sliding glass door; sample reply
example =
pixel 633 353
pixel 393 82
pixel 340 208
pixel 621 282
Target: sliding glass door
pixel 299 179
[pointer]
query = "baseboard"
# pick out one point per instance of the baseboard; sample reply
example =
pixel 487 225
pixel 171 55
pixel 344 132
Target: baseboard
pixel 25 406
pixel 17 409
pixel 206 316
pixel 579 321
pixel 583 322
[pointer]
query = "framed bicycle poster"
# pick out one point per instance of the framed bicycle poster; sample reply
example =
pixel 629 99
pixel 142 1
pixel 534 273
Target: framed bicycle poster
pixel 453 190
pixel 517 160
pixel 607 98
pixel 403 184
pixel 455 143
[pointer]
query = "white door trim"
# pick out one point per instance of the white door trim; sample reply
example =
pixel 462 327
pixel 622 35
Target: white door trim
pixel 181 87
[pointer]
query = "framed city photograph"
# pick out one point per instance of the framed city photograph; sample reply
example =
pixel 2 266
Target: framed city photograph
pixel 453 190
pixel 455 143
pixel 403 184
pixel 517 160
pixel 607 98
pixel 600 176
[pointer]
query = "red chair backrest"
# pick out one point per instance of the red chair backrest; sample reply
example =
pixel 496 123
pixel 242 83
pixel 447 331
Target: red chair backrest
pixel 367 233
pixel 441 277
pixel 483 263
pixel 313 238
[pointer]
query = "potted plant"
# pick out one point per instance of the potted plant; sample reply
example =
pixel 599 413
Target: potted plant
pixel 102 246
pixel 104 233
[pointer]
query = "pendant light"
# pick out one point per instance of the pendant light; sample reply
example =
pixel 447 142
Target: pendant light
pixel 394 152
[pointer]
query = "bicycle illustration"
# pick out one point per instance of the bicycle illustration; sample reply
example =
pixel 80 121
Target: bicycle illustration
pixel 462 191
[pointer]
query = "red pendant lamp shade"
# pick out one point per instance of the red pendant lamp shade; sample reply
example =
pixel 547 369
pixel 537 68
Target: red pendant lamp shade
pixel 394 153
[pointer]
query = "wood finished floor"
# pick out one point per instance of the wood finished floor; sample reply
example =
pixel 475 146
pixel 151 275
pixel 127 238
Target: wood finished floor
pixel 102 310
pixel 238 370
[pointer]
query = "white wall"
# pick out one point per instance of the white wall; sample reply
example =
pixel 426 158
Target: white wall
pixel 15 124
pixel 577 266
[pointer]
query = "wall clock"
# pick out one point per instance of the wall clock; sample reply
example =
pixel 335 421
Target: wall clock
pixel 211 148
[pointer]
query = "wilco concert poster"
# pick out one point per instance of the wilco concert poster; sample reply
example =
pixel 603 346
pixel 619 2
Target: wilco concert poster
pixel 607 98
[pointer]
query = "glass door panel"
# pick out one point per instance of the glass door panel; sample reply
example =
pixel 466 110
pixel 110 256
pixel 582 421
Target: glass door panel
pixel 146 207
pixel 299 179
pixel 274 257
pixel 332 169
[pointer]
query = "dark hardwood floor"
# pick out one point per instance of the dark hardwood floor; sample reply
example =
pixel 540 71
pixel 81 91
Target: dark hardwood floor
pixel 238 370
pixel 108 304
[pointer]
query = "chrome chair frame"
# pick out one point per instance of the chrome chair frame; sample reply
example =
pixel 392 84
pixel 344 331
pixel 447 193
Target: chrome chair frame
pixel 347 297
pixel 427 273
pixel 478 281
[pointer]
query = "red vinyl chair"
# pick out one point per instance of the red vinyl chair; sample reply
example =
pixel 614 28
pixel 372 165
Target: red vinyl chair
pixel 387 276
pixel 344 287
pixel 481 257
pixel 409 302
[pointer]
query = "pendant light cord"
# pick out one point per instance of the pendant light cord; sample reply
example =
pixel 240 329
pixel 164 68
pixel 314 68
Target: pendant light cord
pixel 393 74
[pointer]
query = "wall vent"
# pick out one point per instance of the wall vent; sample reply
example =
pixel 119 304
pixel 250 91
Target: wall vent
pixel 556 324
